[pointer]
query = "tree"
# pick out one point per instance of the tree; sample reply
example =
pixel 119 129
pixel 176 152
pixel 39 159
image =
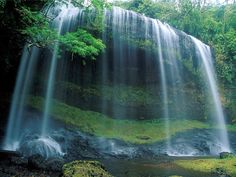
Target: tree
pixel 81 42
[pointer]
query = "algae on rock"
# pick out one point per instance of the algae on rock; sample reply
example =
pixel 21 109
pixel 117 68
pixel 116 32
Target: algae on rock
pixel 82 168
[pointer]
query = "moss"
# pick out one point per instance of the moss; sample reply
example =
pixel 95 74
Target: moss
pixel 124 95
pixel 135 98
pixel 226 155
pixel 231 127
pixel 228 99
pixel 227 165
pixel 84 169
pixel 139 132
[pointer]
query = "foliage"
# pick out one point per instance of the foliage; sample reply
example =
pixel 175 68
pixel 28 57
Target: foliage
pixel 81 168
pixel 94 11
pixel 121 94
pixel 82 43
pixel 138 132
pixel 38 32
pixel 2 4
pixel 36 28
pixel 145 44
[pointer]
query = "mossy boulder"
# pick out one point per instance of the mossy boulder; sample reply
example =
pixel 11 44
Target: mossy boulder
pixel 82 168
pixel 220 172
pixel 225 155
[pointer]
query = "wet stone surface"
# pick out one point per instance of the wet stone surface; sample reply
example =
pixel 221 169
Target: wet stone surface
pixel 76 145
pixel 23 167
pixel 73 145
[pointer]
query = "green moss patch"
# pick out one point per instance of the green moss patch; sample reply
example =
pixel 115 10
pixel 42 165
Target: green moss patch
pixel 139 132
pixel 84 169
pixel 121 94
pixel 231 127
pixel 227 165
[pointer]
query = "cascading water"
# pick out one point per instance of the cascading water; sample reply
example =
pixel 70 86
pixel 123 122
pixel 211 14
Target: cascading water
pixel 48 147
pixel 127 27
pixel 140 51
pixel 163 81
pixel 208 68
pixel 65 18
pixel 27 68
pixel 167 38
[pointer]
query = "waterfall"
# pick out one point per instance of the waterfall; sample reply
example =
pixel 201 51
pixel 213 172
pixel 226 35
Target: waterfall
pixel 208 68
pixel 23 88
pixel 64 19
pixel 127 27
pixel 26 70
pixel 157 29
pixel 140 51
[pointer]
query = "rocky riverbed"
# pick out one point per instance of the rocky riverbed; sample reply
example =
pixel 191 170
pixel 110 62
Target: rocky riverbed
pixel 13 164
pixel 45 156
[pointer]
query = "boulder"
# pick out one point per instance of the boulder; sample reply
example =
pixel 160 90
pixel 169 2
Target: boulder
pixel 225 155
pixel 221 172
pixel 22 161
pixel 51 164
pixel 54 164
pixel 81 168
pixel 5 154
pixel 36 162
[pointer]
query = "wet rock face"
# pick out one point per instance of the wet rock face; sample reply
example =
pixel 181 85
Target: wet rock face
pixel 84 169
pixel 36 161
pixel 191 143
pixel 19 166
pixel 46 146
pixel 4 154
pixel 77 145
pixel 51 164
pixel 195 142
pixel 19 161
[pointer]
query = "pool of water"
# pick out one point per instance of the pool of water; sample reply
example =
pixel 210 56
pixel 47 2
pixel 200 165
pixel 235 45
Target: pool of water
pixel 150 168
